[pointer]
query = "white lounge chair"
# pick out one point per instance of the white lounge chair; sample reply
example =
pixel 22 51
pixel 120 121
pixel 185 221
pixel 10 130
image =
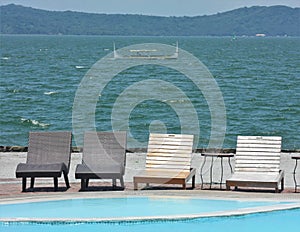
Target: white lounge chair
pixel 168 161
pixel 257 163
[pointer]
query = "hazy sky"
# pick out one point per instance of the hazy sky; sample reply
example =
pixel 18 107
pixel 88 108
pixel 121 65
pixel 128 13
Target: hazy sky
pixel 149 7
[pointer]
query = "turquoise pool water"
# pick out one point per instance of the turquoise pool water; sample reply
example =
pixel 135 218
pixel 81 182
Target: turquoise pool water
pixel 286 220
pixel 122 207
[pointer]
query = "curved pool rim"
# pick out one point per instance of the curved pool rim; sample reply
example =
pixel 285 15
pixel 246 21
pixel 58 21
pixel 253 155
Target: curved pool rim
pixel 288 204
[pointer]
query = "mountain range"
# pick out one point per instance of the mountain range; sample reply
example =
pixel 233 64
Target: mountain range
pixel 248 21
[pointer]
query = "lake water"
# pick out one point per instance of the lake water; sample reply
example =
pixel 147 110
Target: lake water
pixel 259 80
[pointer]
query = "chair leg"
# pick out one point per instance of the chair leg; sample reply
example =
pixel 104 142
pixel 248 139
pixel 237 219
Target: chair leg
pixel 193 182
pixel 66 180
pixel 32 182
pixel 83 184
pixel 55 179
pixel 114 182
pixel 122 182
pixel 135 187
pixel 184 186
pixel 23 184
pixel 282 184
pixel 87 183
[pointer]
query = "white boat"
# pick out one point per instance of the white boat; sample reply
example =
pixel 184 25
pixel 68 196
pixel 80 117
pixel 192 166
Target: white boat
pixel 146 54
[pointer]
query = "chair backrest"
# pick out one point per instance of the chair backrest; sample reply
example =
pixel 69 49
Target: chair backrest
pixel 49 147
pixel 169 152
pixel 104 148
pixel 258 154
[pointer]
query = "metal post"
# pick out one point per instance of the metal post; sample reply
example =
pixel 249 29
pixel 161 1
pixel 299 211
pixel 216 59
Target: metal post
pixel 294 175
pixel 201 171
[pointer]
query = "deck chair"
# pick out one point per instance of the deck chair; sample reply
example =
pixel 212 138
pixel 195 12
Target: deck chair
pixel 257 163
pixel 104 156
pixel 48 156
pixel 168 161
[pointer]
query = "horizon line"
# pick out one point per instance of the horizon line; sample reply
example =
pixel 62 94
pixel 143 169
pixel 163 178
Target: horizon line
pixel 149 15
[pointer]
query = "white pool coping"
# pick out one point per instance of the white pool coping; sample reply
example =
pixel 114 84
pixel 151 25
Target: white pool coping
pixel 283 204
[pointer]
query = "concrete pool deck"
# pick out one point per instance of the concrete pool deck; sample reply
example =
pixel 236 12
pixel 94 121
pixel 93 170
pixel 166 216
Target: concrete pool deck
pixel 10 187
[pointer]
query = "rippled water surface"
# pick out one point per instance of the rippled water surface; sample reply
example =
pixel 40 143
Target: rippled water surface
pixel 258 77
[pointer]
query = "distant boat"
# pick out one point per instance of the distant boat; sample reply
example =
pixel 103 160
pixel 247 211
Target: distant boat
pixel 146 54
pixel 260 35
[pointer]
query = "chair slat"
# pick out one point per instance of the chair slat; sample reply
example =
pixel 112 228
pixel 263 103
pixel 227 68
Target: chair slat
pixel 254 154
pixel 258 138
pixel 166 136
pixel 257 149
pixel 253 161
pixel 169 154
pixel 261 170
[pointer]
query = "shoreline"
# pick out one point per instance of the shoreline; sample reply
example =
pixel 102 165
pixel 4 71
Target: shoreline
pixel 144 150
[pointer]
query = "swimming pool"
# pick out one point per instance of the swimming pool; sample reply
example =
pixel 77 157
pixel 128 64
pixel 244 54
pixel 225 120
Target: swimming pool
pixel 146 214
pixel 125 207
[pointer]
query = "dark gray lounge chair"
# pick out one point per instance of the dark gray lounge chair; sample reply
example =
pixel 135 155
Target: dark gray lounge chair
pixel 48 156
pixel 103 157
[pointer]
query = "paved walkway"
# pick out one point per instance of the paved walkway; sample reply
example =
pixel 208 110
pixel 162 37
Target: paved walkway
pixel 135 162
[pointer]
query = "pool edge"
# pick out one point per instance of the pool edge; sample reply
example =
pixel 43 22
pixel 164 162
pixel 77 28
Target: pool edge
pixel 229 213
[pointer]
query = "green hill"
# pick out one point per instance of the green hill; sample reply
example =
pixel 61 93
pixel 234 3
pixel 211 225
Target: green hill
pixel 272 21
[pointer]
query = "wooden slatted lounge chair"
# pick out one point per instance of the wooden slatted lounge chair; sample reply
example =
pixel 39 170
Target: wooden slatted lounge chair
pixel 257 163
pixel 168 161
pixel 104 156
pixel 48 156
